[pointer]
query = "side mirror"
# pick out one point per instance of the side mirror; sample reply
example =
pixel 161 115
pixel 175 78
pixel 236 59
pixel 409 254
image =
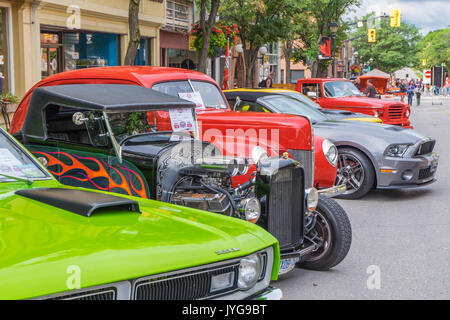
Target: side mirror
pixel 312 95
pixel 237 104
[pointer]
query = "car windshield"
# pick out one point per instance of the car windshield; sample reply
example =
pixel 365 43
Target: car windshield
pixel 302 98
pixel 204 94
pixel 290 105
pixel 14 162
pixel 131 124
pixel 336 89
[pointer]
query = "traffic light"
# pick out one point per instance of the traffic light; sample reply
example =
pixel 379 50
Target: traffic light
pixel 372 35
pixel 395 18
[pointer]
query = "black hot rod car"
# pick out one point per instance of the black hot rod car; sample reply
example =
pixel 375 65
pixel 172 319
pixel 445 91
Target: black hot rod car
pixel 97 136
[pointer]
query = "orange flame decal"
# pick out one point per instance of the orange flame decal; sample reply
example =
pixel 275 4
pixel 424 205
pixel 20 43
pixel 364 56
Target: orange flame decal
pixel 90 174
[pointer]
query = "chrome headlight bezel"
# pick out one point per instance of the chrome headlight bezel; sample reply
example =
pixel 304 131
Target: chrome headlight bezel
pixel 251 207
pixel 330 151
pixel 311 199
pixel 397 150
pixel 250 269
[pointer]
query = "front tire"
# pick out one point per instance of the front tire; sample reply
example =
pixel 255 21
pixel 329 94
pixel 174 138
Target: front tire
pixel 333 228
pixel 355 171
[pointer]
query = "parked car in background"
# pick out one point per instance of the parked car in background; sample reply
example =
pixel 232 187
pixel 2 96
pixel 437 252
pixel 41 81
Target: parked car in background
pixel 381 85
pixel 98 136
pixel 341 94
pixel 370 155
pixel 61 242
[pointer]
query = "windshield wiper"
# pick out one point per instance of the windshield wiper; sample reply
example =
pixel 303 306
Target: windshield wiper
pixel 26 180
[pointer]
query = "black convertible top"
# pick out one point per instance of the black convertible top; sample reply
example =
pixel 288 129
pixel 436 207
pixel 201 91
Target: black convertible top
pixel 95 97
pixel 106 97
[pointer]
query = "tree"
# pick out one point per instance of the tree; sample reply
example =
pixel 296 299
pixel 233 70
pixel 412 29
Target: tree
pixel 259 22
pixel 434 48
pixel 206 26
pixel 394 48
pixel 313 22
pixel 134 32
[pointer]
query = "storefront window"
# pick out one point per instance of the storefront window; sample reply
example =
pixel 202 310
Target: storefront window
pixel 87 50
pixel 178 58
pixel 4 61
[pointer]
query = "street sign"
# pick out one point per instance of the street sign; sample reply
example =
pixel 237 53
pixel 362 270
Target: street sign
pixel 426 77
pixel 395 18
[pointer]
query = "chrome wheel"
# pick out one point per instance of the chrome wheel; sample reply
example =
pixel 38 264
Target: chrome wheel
pixel 350 172
pixel 320 233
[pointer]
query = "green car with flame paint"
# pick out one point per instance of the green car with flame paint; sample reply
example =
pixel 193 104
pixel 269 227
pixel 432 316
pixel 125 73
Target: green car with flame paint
pixel 60 242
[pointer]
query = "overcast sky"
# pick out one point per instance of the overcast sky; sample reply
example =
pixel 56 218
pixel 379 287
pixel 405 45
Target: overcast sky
pixel 427 15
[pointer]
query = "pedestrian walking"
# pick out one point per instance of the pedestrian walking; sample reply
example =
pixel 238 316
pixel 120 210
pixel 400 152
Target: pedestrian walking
pixel 267 83
pixel 370 92
pixel 410 91
pixel 418 94
pixel 447 86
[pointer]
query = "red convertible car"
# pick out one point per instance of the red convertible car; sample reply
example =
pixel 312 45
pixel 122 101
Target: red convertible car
pixel 342 94
pixel 279 134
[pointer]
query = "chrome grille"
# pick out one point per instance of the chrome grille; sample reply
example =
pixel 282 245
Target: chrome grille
pixel 182 287
pixel 285 214
pixel 395 112
pixel 91 295
pixel 425 148
pixel 306 158
pixel 192 283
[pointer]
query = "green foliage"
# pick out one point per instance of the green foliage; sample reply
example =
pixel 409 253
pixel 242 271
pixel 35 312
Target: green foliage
pixel 220 34
pixel 394 48
pixel 137 123
pixel 311 20
pixel 259 21
pixel 9 98
pixel 434 48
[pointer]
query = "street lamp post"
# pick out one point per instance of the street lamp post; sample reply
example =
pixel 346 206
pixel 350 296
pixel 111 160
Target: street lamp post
pixel 333 28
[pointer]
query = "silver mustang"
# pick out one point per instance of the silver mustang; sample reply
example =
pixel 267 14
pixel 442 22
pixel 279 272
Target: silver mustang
pixel 370 154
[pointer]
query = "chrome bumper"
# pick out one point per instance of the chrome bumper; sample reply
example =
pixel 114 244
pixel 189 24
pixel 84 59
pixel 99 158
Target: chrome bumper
pixel 333 191
pixel 271 293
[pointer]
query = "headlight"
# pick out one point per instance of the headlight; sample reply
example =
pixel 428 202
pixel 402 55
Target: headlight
pixel 330 151
pixel 252 209
pixel 259 154
pixel 408 113
pixel 249 271
pixel 396 150
pixel 312 198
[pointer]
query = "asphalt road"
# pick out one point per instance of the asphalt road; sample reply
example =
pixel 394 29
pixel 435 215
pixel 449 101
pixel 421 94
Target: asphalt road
pixel 405 234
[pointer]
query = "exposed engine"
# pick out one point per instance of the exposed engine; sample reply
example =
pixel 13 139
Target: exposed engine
pixel 204 181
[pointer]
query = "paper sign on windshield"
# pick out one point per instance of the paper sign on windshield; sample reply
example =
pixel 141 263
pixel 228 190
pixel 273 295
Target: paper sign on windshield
pixel 8 163
pixel 181 119
pixel 194 97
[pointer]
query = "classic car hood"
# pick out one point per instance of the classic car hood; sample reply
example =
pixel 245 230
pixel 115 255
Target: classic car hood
pixel 338 131
pixel 291 129
pixel 344 114
pixel 363 101
pixel 38 239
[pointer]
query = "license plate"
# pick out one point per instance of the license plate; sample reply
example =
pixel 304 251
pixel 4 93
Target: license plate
pixel 287 265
